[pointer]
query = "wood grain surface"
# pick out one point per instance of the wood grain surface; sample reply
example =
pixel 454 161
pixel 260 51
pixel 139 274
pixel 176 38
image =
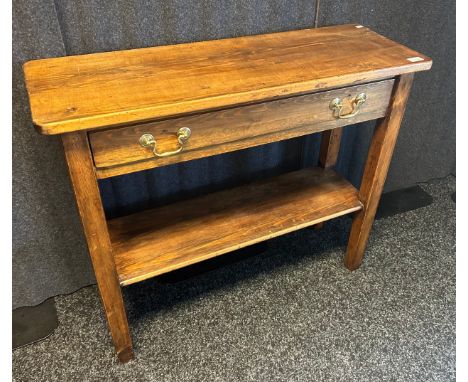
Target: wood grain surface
pixel 173 236
pixel 330 147
pixel 235 128
pixel 89 203
pixel 115 88
pixel 375 171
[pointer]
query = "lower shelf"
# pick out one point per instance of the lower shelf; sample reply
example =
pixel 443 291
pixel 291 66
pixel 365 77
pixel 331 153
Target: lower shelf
pixel 157 241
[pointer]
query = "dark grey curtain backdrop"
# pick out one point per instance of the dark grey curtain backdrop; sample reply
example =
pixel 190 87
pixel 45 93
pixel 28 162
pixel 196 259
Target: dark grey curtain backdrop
pixel 49 252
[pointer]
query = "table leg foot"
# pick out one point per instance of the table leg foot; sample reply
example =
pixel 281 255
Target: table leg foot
pixel 125 355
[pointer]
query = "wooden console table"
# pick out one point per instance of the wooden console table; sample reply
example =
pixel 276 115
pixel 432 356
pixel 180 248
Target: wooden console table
pixel 127 111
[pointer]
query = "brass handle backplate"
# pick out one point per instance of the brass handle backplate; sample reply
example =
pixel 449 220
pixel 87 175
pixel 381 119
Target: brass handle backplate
pixel 337 106
pixel 183 135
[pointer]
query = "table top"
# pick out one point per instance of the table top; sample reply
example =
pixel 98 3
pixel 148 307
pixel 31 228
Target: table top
pixel 115 88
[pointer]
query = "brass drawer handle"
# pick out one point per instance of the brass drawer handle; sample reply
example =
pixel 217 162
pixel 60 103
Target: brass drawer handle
pixel 183 135
pixel 337 106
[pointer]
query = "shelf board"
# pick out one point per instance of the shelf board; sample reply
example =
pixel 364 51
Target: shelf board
pixel 157 241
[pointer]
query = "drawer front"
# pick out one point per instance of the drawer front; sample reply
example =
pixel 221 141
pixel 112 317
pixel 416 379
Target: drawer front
pixel 236 128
